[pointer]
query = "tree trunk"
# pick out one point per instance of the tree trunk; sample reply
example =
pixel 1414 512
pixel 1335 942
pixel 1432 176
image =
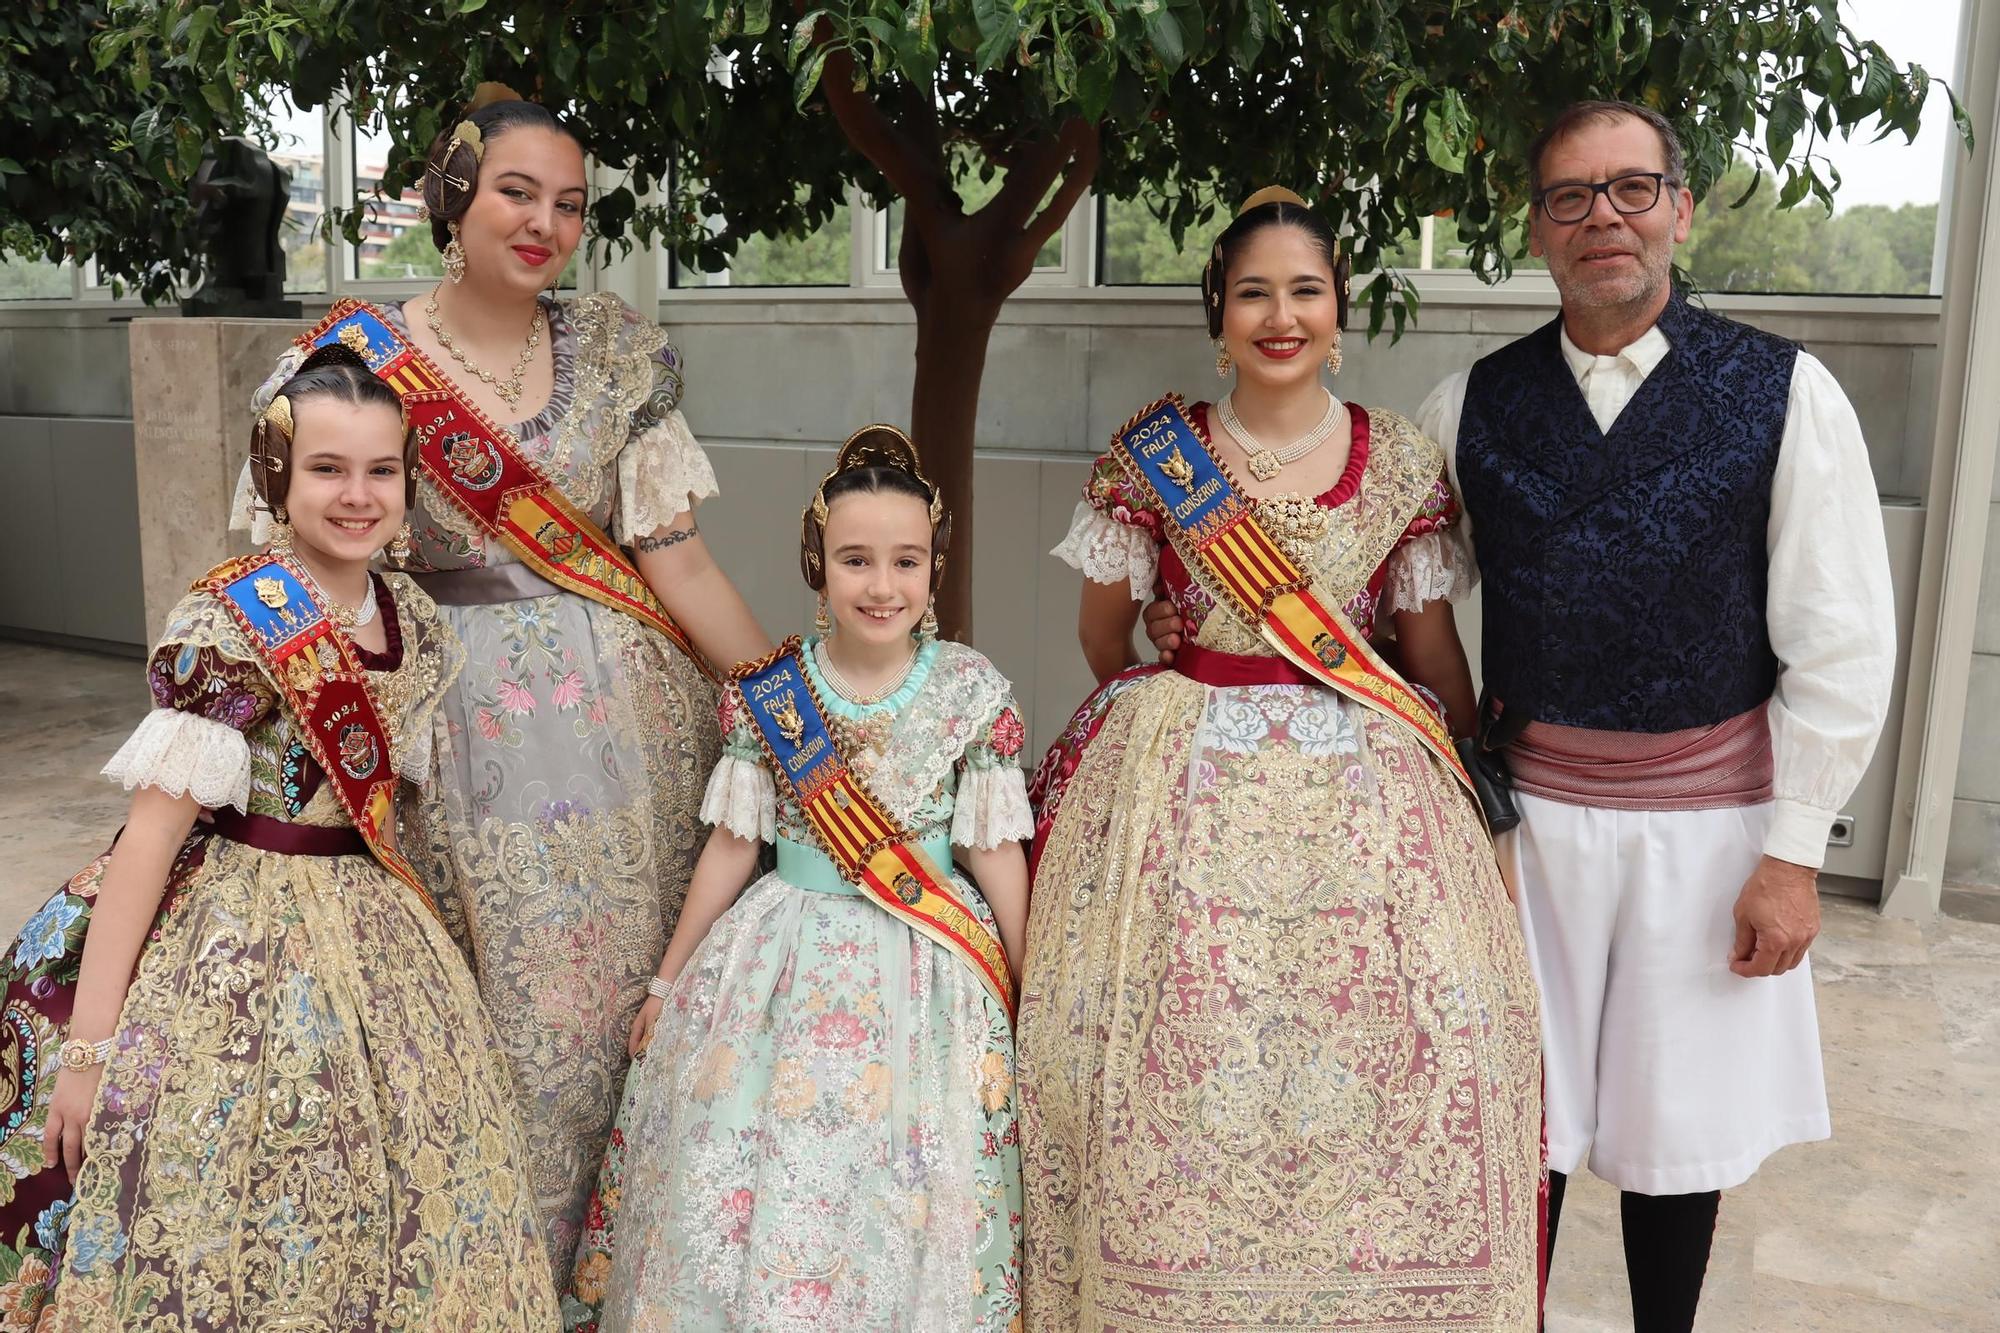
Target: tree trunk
pixel 957 271
pixel 955 319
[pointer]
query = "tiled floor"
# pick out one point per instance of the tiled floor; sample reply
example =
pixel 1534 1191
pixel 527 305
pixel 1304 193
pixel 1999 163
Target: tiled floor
pixel 1891 1227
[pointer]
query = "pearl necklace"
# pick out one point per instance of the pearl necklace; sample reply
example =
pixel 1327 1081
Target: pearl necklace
pixel 1267 463
pixel 509 389
pixel 347 617
pixel 847 691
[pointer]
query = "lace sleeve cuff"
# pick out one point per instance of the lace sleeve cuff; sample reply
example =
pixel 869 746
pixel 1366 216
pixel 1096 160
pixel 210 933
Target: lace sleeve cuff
pixel 1436 567
pixel 742 798
pixel 662 473
pixel 1107 551
pixel 991 807
pixel 186 755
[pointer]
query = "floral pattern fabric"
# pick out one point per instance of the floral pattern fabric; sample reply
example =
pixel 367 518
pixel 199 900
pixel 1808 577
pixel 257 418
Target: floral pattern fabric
pixel 1278 1040
pixel 306 1121
pixel 822 1134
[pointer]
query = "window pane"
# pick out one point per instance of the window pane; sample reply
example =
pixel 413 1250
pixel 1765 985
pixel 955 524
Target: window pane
pixel 393 243
pixel 1139 249
pixel 298 144
pixel 34 279
pixel 818 260
pixel 1881 237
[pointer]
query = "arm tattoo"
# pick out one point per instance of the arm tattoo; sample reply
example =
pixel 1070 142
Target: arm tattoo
pixel 665 539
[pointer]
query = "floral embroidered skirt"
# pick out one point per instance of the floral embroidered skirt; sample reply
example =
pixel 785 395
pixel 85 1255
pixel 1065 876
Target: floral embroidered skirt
pixel 305 1122
pixel 1278 1039
pixel 820 1137
pixel 562 829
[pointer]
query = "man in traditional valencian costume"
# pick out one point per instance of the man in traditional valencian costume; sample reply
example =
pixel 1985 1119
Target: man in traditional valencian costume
pixel 1689 630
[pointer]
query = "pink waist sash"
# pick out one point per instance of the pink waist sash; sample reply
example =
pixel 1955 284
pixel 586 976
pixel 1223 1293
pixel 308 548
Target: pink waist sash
pixel 1701 768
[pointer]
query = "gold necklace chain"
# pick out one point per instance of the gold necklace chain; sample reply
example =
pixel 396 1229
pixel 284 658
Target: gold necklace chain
pixel 846 691
pixel 509 389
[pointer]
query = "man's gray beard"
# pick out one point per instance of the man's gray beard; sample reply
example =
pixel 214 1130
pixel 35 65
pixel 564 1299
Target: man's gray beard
pixel 1608 295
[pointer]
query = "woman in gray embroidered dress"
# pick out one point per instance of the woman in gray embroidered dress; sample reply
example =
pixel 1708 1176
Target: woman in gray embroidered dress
pixel 573 751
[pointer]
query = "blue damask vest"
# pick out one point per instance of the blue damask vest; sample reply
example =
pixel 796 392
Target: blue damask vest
pixel 1625 570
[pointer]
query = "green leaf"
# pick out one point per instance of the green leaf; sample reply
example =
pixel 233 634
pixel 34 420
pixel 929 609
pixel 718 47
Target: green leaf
pixel 9 167
pixel 1447 129
pixel 108 48
pixel 807 77
pixel 1785 119
pixel 202 25
pixel 1095 80
pixel 1877 80
pixel 1796 185
pixel 1063 68
pixel 756 18
pixel 1958 117
pixel 802 37
pixel 471 6
pixel 1755 181
pixel 1165 36
pixel 999 30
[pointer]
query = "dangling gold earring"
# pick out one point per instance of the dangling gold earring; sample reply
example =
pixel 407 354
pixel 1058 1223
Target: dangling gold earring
pixel 822 623
pixel 281 530
pixel 1222 362
pixel 927 628
pixel 1333 355
pixel 454 255
pixel 399 546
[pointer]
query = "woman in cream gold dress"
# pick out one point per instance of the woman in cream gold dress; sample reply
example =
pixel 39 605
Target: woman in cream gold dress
pixel 572 752
pixel 1278 1038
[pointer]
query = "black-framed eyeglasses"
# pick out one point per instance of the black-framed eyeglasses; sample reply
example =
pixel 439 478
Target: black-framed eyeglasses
pixel 1572 202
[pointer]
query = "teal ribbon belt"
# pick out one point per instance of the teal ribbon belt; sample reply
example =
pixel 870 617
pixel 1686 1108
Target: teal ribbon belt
pixel 809 868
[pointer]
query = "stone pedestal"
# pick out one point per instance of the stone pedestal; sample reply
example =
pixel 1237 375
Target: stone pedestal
pixel 191 386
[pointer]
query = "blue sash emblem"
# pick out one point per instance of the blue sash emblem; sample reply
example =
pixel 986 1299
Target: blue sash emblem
pixel 275 603
pixel 1183 474
pixel 787 715
pixel 364 333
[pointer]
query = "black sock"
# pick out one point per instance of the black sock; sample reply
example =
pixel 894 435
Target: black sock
pixel 1667 1241
pixel 1557 1182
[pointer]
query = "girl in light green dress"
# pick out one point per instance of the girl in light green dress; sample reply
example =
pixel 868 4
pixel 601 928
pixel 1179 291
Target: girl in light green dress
pixel 821 1133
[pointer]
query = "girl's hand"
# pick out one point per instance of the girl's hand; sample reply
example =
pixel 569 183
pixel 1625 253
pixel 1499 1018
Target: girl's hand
pixel 69 1112
pixel 643 1023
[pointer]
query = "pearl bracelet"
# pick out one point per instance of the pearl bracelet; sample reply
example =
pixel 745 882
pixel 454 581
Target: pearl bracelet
pixel 660 988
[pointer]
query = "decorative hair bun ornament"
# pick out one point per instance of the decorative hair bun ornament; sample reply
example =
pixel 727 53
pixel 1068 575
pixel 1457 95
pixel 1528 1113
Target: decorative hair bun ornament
pixel 884 446
pixel 1271 194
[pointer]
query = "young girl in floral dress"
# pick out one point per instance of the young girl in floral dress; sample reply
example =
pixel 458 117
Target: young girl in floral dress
pixel 821 1132
pixel 279 1099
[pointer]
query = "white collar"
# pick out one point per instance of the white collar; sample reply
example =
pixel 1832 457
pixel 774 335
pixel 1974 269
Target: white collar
pixel 1642 354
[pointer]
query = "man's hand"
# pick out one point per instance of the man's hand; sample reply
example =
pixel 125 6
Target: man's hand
pixel 1777 919
pixel 1163 627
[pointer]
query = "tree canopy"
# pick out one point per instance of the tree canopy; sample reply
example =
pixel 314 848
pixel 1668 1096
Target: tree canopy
pixel 1380 112
pixel 72 182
